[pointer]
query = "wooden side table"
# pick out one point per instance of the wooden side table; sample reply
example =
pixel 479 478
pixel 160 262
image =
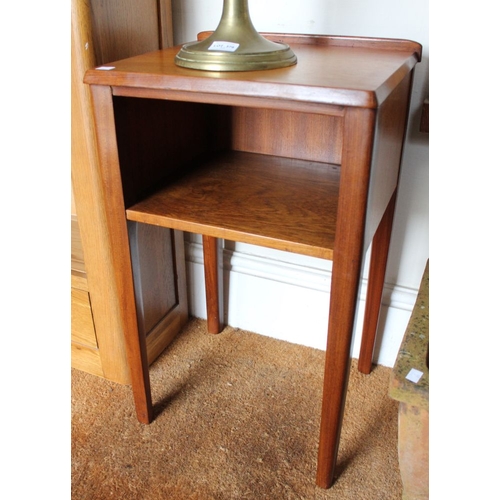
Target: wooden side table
pixel 304 159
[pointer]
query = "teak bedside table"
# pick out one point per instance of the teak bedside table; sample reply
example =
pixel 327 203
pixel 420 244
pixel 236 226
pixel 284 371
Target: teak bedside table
pixel 304 159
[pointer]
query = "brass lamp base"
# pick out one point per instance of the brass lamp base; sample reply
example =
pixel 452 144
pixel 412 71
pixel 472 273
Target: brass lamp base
pixel 235 46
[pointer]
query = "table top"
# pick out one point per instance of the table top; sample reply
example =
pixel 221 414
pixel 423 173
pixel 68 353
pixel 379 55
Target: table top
pixel 339 71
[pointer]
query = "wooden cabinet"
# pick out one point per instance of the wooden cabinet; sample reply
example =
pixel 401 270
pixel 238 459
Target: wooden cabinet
pixel 84 348
pixel 102 32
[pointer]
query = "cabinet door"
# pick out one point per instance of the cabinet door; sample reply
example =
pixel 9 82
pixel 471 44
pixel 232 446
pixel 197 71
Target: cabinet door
pixel 159 283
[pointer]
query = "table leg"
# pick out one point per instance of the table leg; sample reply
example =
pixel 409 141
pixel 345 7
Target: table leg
pixel 213 284
pixel 347 260
pixel 376 275
pixel 337 365
pixel 119 261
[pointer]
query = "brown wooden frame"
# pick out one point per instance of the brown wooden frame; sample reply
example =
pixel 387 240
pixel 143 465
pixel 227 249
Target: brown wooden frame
pixel 358 88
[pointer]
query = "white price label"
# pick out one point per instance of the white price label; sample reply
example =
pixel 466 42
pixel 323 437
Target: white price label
pixel 224 46
pixel 414 375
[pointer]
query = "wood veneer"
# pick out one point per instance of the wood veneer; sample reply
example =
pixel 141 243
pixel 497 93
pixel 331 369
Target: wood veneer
pixel 316 178
pixel 264 200
pixel 100 32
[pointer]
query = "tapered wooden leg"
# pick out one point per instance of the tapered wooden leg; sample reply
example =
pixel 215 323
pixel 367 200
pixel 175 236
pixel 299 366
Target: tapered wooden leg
pixel 115 244
pixel 139 373
pixel 135 345
pixel 337 365
pixel 376 275
pixel 213 284
pixel 347 258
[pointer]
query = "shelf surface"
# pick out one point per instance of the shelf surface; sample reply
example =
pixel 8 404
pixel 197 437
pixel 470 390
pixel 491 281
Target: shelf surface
pixel 330 71
pixel 270 201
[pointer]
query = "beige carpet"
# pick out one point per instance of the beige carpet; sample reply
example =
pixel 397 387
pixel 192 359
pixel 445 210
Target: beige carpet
pixel 237 418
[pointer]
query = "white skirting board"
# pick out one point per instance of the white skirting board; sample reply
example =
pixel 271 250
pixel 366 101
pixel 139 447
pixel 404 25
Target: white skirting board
pixel 286 296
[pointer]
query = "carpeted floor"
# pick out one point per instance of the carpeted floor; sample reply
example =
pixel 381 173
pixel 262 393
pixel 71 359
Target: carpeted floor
pixel 237 418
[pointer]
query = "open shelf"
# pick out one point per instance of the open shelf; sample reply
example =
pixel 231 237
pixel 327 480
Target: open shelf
pixel 276 202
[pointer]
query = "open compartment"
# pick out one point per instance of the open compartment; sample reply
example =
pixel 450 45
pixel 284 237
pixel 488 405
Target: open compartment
pixel 263 176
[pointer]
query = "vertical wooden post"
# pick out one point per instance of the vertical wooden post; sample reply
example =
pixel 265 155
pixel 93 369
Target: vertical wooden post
pixel 119 263
pixel 347 258
pixel 376 275
pixel 213 284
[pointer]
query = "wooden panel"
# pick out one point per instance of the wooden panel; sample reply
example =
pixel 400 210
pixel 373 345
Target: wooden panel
pixel 339 41
pixel 160 336
pixel 89 199
pixel 101 32
pixel 275 202
pixel 389 135
pixel 166 29
pixel 77 259
pixel 303 136
pixel 86 359
pixel 154 281
pixel 250 101
pixel 122 28
pixel 156 138
pixel 82 324
pixel 79 281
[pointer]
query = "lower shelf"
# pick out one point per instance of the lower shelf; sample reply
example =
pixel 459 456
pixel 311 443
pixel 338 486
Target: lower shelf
pixel 265 200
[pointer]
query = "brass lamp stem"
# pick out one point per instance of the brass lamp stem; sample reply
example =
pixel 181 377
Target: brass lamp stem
pixel 235 45
pixel 235 9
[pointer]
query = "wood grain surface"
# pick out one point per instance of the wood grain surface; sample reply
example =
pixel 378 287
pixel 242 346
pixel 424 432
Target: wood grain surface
pixel 274 202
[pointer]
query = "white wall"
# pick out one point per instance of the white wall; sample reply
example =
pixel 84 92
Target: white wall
pixel 285 295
